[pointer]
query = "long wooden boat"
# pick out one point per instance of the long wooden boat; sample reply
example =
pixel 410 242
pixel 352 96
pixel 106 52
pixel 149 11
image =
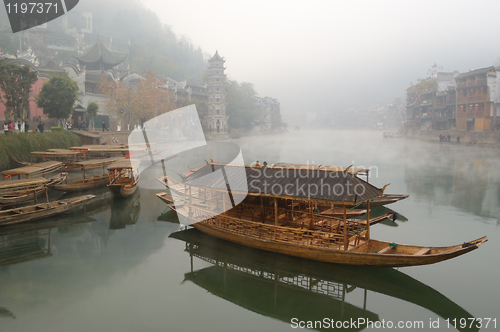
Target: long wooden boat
pixel 14 192
pixel 123 177
pixel 66 156
pixel 86 183
pixel 39 211
pixel 271 275
pixel 227 210
pixel 33 170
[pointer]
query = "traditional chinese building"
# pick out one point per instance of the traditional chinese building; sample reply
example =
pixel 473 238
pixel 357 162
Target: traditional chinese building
pixel 475 108
pixel 216 118
pixel 99 57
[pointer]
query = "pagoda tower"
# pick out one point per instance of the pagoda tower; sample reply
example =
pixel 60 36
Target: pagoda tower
pixel 217 118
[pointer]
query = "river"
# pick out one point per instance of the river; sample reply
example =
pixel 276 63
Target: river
pixel 124 265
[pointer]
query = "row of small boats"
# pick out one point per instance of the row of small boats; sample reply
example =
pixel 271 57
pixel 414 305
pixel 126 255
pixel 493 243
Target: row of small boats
pixel 267 208
pixel 26 184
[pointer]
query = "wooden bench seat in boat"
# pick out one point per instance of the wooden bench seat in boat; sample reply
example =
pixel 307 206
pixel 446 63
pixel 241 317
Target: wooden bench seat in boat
pixel 423 251
pixel 384 250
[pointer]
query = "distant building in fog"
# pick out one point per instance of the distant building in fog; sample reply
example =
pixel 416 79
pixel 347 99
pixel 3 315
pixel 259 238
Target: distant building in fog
pixel 270 113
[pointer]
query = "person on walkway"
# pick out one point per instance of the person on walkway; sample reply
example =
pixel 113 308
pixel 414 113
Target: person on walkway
pixel 26 127
pixel 11 126
pixel 40 127
pixel 5 128
pixel 104 127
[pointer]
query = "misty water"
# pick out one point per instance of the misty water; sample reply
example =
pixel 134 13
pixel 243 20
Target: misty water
pixel 124 265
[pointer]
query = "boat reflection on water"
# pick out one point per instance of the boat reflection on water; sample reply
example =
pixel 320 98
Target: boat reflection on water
pixel 286 287
pixel 31 241
pixel 125 211
pixel 169 216
pixel 6 313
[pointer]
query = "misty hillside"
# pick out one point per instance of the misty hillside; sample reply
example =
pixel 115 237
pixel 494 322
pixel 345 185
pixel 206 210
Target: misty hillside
pixel 151 45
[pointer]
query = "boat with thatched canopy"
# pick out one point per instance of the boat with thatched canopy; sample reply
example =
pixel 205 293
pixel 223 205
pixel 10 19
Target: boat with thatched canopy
pixel 87 182
pixel 123 177
pixel 31 182
pixel 275 209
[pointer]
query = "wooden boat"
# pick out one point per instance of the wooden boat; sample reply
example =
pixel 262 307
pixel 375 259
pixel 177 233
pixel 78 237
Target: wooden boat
pixel 33 170
pixel 67 157
pixel 123 177
pixel 102 151
pixel 272 276
pixel 39 211
pixel 14 192
pixel 269 225
pixel 86 182
pixel 31 182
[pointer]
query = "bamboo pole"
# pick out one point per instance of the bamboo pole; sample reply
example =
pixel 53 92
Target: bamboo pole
pixel 47 196
pixel 346 244
pixel 275 211
pixel 368 220
pixel 223 203
pixel 311 222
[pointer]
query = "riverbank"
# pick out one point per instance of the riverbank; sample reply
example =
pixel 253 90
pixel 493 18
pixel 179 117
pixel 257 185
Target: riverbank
pixel 18 146
pixel 480 138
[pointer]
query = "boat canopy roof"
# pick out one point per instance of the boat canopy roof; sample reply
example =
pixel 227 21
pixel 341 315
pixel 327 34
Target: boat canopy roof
pixel 38 169
pixel 101 148
pixel 14 184
pixel 334 186
pixel 352 170
pixel 125 163
pixel 55 153
pixel 99 162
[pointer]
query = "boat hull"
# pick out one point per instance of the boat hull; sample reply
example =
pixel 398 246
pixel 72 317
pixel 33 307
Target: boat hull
pixel 40 211
pixel 81 185
pixel 334 256
pixel 119 190
pixel 25 196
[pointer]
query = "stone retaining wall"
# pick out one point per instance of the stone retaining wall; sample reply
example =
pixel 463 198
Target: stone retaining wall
pixel 484 138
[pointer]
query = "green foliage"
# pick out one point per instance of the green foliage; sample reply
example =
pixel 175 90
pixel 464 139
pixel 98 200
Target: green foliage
pixel 241 108
pixel 15 87
pixel 19 146
pixel 92 109
pixel 58 97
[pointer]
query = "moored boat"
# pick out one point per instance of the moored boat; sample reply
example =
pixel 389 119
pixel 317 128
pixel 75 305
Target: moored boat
pixel 32 181
pixel 87 182
pixel 40 211
pixel 249 205
pixel 123 177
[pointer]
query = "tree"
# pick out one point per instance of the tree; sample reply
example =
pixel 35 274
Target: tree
pixel 397 107
pixel 58 97
pixel 15 88
pixel 144 100
pixel 92 109
pixel 150 99
pixel 241 108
